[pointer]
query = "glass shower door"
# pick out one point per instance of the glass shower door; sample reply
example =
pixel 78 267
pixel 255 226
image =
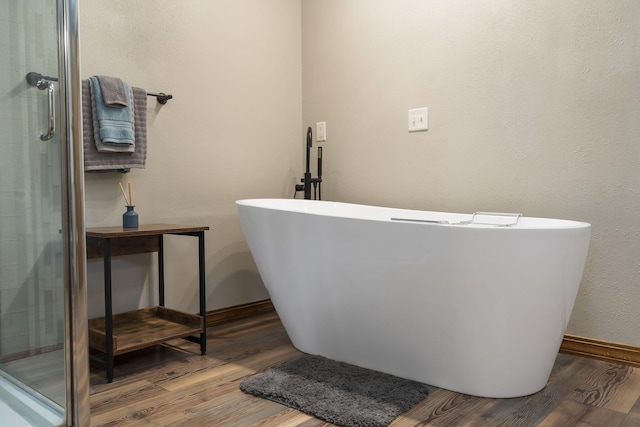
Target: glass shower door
pixel 33 366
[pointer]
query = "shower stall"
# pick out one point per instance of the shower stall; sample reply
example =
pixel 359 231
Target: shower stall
pixel 43 344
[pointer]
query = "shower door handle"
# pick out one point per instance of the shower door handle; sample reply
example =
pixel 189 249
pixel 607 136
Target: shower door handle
pixel 51 95
pixel 46 83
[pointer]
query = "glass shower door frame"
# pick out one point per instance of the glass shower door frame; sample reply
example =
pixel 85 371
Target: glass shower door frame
pixel 45 370
pixel 76 336
pixel 44 352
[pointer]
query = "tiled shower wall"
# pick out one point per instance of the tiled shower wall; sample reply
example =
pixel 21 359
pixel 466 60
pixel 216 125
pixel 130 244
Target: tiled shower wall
pixel 31 251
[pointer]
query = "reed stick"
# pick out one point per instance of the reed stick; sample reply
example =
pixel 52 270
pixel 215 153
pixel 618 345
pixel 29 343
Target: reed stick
pixel 124 194
pixel 130 194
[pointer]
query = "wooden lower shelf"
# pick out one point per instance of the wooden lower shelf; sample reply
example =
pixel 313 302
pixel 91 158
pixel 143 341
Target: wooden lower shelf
pixel 142 328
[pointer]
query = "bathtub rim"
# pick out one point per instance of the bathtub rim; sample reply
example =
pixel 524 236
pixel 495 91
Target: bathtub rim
pixel 330 209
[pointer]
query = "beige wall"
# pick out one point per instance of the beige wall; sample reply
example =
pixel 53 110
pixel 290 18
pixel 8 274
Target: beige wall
pixel 232 131
pixel 534 107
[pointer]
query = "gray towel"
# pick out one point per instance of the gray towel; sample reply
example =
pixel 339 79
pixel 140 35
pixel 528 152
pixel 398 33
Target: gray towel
pixel 122 162
pixel 113 92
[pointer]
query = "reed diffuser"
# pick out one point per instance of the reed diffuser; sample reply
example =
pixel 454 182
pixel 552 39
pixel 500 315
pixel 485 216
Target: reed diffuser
pixel 130 217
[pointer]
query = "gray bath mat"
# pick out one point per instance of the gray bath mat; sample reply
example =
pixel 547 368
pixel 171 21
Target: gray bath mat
pixel 337 392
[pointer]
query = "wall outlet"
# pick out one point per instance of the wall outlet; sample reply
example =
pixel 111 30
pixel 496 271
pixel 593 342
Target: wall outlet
pixel 321 131
pixel 418 119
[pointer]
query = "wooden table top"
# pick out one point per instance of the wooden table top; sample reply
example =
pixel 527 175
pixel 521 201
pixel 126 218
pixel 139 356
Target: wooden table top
pixel 142 230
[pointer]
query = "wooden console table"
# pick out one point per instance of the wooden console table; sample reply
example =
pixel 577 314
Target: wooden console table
pixel 126 332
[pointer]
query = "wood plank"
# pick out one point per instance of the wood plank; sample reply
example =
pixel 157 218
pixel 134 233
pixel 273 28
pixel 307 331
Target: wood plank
pixel 142 230
pixel 235 409
pixel 530 410
pixel 238 312
pixel 292 418
pixel 43 372
pixel 125 318
pixel 125 246
pixel 98 339
pixel 120 397
pixel 148 364
pixel 177 316
pixel 145 407
pixel 235 371
pixel 615 387
pixel 633 417
pixel 141 328
pixel 601 350
pixel 30 352
pixel 200 405
pixel 571 413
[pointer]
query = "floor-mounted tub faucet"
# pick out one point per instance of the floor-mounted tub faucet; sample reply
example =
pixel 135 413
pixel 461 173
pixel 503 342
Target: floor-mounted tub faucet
pixel 307 180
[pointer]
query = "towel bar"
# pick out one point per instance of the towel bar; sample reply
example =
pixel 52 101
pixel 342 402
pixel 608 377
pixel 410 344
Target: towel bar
pixel 163 98
pixel 33 78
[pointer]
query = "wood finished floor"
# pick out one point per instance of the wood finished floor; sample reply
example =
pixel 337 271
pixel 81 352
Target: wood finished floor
pixel 43 372
pixel 172 385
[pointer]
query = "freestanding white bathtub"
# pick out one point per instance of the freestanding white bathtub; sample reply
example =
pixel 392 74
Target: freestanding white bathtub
pixel 474 308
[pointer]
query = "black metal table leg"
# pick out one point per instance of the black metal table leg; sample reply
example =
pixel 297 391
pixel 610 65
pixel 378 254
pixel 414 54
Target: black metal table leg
pixel 203 305
pixel 108 308
pixel 161 270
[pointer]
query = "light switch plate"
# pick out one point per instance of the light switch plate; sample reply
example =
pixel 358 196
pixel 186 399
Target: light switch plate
pixel 418 119
pixel 321 131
